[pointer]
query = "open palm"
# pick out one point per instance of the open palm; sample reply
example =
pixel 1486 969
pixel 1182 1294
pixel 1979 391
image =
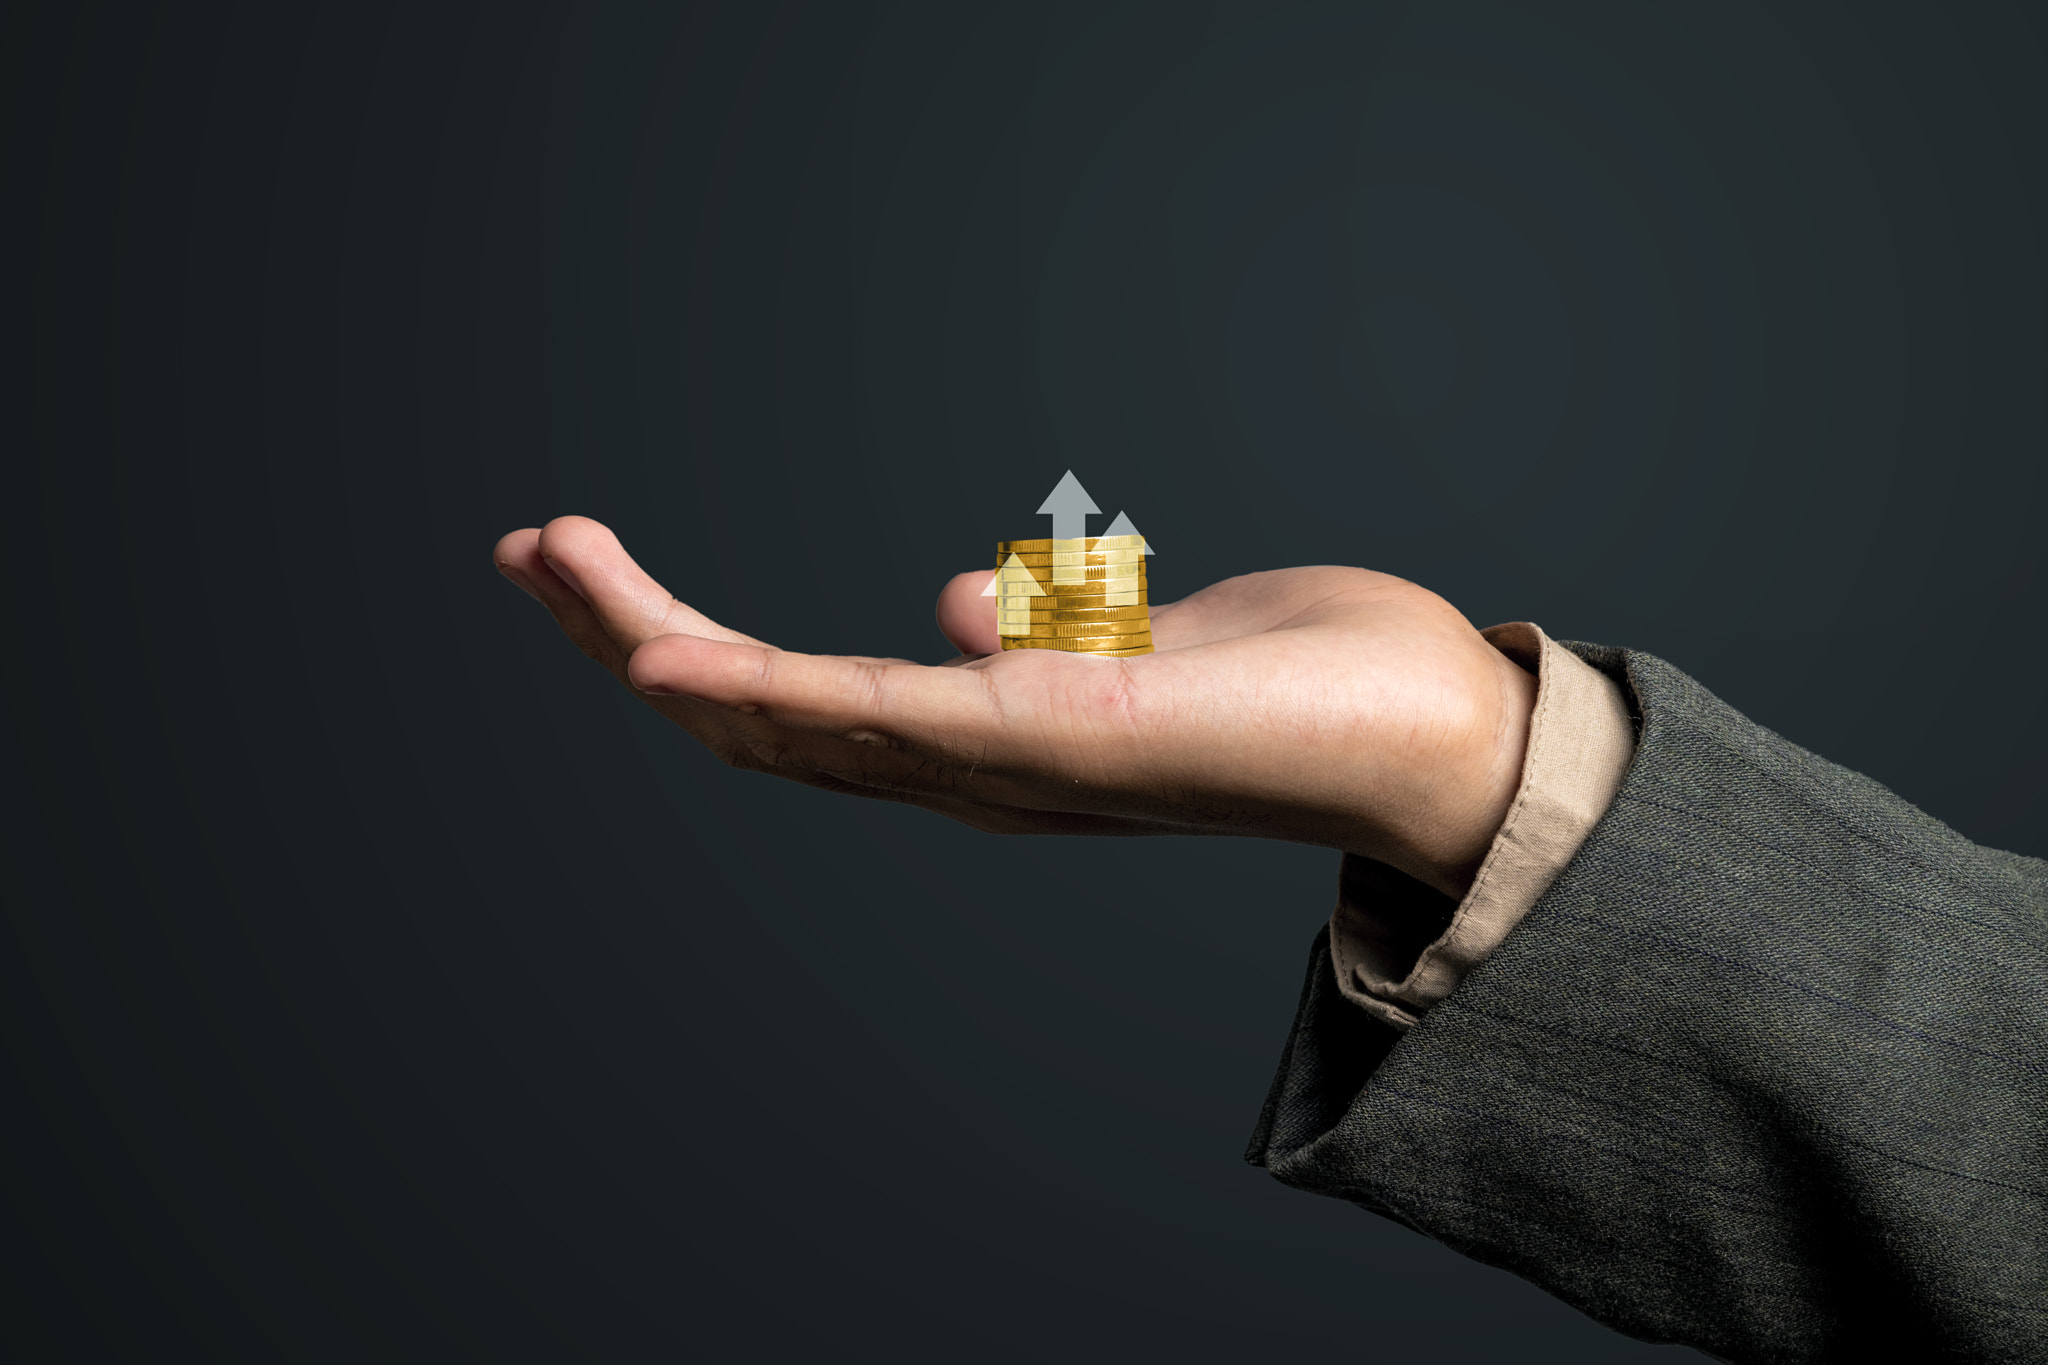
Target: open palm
pixel 1332 706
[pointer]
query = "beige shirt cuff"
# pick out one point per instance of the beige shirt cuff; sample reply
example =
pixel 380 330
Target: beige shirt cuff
pixel 1398 946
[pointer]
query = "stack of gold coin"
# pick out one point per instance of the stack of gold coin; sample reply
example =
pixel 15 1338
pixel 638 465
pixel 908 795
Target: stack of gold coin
pixel 1085 596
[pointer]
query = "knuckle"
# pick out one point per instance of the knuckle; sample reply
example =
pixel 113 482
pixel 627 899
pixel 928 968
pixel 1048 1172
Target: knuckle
pixel 874 688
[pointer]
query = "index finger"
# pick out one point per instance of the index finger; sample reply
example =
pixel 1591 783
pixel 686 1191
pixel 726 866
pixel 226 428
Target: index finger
pixel 975 716
pixel 628 602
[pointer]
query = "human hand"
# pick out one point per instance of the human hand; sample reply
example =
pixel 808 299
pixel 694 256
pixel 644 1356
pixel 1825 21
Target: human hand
pixel 1328 706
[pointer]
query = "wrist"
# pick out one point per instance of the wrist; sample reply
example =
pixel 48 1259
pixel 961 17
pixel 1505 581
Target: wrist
pixel 1463 789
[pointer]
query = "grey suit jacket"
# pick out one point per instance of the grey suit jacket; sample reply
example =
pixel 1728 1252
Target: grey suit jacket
pixel 1764 1072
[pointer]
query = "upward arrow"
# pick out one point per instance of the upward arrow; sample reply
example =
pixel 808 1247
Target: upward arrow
pixel 1122 527
pixel 1069 506
pixel 1013 580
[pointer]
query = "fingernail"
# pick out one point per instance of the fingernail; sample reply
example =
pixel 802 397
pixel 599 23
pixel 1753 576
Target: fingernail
pixel 657 690
pixel 518 580
pixel 562 572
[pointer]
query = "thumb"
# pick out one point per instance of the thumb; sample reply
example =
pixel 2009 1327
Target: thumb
pixel 966 617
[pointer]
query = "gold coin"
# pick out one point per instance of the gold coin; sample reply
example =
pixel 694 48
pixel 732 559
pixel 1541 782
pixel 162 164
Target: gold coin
pixel 1044 629
pixel 1055 594
pixel 1123 595
pixel 1017 626
pixel 1090 617
pixel 1077 574
pixel 1018 587
pixel 1011 587
pixel 1095 568
pixel 1070 573
pixel 1074 601
pixel 1085 543
pixel 1035 612
pixel 1098 603
pixel 1063 593
pixel 1042 561
pixel 1078 643
pixel 1045 571
pixel 1098 653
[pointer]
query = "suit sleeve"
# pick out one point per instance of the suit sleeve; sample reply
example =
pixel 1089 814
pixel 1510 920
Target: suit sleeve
pixel 1764 1071
pixel 1398 946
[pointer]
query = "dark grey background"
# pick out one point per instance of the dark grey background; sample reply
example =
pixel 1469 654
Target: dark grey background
pixel 382 982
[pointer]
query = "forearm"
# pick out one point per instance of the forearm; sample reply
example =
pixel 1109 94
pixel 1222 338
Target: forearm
pixel 1758 1073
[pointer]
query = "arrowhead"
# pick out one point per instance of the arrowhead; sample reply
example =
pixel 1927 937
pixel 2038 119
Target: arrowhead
pixel 1122 527
pixel 1068 496
pixel 1013 580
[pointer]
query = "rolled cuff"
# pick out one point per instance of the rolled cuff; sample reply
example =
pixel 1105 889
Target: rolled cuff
pixel 1398 946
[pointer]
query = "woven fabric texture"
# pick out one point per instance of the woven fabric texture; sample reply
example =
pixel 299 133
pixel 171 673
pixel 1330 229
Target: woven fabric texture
pixel 1764 1072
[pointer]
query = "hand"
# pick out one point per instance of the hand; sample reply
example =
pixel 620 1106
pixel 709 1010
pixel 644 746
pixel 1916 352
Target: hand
pixel 1326 706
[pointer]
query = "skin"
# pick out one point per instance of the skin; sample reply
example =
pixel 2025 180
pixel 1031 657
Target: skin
pixel 1328 706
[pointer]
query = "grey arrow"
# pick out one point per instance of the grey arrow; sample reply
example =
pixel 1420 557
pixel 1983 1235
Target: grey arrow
pixel 1069 505
pixel 1122 527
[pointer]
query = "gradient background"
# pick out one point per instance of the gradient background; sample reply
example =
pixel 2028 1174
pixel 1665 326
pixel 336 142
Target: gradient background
pixel 382 982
